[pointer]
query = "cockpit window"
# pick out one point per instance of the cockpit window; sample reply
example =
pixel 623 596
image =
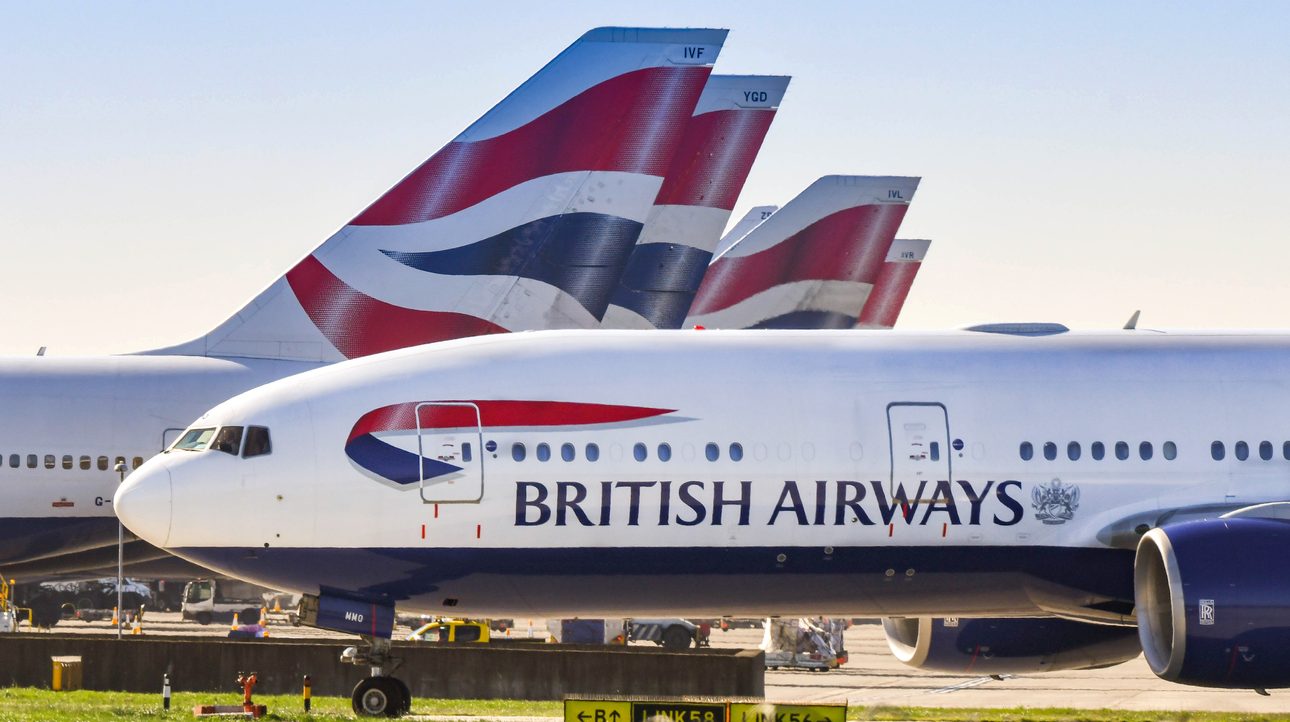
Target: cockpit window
pixel 257 442
pixel 195 439
pixel 228 440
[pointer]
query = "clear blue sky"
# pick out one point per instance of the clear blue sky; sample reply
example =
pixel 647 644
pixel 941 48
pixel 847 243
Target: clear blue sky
pixel 161 162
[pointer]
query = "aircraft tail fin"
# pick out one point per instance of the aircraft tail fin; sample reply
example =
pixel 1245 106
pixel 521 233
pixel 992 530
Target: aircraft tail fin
pixel 894 281
pixel 523 221
pixel 703 183
pixel 753 218
pixel 812 263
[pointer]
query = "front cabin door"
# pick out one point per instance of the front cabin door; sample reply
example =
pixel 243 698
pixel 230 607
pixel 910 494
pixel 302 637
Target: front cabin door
pixel 450 443
pixel 919 435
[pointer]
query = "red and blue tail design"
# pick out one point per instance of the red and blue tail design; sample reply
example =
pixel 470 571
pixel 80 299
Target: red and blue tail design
pixel 384 442
pixel 524 221
pixel 703 183
pixel 882 308
pixel 812 263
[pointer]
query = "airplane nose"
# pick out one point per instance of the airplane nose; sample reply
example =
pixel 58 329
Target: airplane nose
pixel 143 502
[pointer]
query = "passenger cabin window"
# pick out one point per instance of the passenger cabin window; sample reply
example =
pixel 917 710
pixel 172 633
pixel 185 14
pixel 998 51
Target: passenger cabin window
pixel 712 452
pixel 1242 450
pixel 193 440
pixel 1098 450
pixel 1027 451
pixel 86 462
pixel 1217 451
pixel 592 452
pixel 14 461
pixel 736 452
pixel 567 453
pixel 228 440
pixel 257 442
pixel 120 462
pixel 639 452
pixel 31 461
pixel 517 452
pixel 1145 451
pixel 1050 451
pixel 1121 450
pixel 68 461
pixel 664 452
pixel 934 450
pixel 102 463
pixel 51 462
pixel 1072 451
pixel 1285 451
pixel 543 452
pixel 1265 451
pixel 466 454
pixel 1170 450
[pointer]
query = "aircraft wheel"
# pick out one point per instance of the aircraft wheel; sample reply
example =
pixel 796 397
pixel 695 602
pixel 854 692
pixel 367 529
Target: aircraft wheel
pixel 407 695
pixel 203 618
pixel 379 697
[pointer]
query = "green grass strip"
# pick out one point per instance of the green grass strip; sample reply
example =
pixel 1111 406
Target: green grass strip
pixel 21 704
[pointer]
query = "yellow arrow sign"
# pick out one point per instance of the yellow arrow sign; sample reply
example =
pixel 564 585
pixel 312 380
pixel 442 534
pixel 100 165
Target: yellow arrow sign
pixel 771 712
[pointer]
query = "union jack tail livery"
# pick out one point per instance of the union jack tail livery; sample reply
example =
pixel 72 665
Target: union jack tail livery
pixel 708 171
pixel 811 264
pixel 523 221
pixel 894 281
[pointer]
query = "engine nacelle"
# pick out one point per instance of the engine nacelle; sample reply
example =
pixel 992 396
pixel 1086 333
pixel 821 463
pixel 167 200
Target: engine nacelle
pixel 999 646
pixel 1213 602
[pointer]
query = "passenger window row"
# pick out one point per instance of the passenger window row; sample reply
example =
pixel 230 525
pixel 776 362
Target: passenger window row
pixel 1097 451
pixel 1241 450
pixel 640 452
pixel 51 461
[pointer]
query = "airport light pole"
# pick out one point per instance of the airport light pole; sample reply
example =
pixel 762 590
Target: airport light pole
pixel 120 558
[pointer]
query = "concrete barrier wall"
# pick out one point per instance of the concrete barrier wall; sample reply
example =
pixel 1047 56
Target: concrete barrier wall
pixel 515 671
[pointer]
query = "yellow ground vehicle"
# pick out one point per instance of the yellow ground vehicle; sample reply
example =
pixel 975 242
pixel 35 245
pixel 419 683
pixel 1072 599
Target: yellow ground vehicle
pixel 452 631
pixel 8 612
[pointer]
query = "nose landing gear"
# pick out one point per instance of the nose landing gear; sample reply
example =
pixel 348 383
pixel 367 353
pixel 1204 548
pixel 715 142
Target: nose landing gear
pixel 378 695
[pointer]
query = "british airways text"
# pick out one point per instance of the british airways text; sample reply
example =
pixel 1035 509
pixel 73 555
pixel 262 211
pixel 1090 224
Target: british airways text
pixel 808 503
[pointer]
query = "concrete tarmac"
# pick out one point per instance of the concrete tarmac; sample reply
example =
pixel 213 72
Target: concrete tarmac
pixel 872 677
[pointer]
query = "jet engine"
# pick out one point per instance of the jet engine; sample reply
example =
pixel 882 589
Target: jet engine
pixel 1213 601
pixel 999 646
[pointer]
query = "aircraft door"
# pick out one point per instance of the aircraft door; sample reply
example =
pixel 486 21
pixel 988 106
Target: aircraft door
pixel 919 436
pixel 450 439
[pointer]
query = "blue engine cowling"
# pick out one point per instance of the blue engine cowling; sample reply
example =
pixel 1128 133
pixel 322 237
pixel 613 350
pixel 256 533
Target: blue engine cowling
pixel 1008 646
pixel 1213 602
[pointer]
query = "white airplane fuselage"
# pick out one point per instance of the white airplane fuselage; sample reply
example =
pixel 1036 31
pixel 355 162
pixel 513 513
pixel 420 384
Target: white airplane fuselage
pixel 881 473
pixel 68 421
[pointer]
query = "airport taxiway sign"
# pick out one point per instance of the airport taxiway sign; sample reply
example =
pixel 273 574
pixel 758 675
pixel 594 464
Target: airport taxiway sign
pixel 772 712
pixel 707 710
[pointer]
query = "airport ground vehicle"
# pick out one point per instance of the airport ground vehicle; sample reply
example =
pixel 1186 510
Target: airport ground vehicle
pixel 52 602
pixel 217 600
pixel 452 631
pixel 8 612
pixel 813 644
pixel 668 633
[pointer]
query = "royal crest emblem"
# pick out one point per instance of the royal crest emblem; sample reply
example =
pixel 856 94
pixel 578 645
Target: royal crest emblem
pixel 1055 502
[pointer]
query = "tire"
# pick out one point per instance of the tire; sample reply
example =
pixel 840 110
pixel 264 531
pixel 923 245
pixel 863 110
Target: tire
pixel 407 695
pixel 676 638
pixel 203 618
pixel 378 697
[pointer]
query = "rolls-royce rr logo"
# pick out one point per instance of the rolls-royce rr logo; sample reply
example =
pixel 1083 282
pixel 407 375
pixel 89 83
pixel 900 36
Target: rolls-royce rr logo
pixel 1207 612
pixel 1055 502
